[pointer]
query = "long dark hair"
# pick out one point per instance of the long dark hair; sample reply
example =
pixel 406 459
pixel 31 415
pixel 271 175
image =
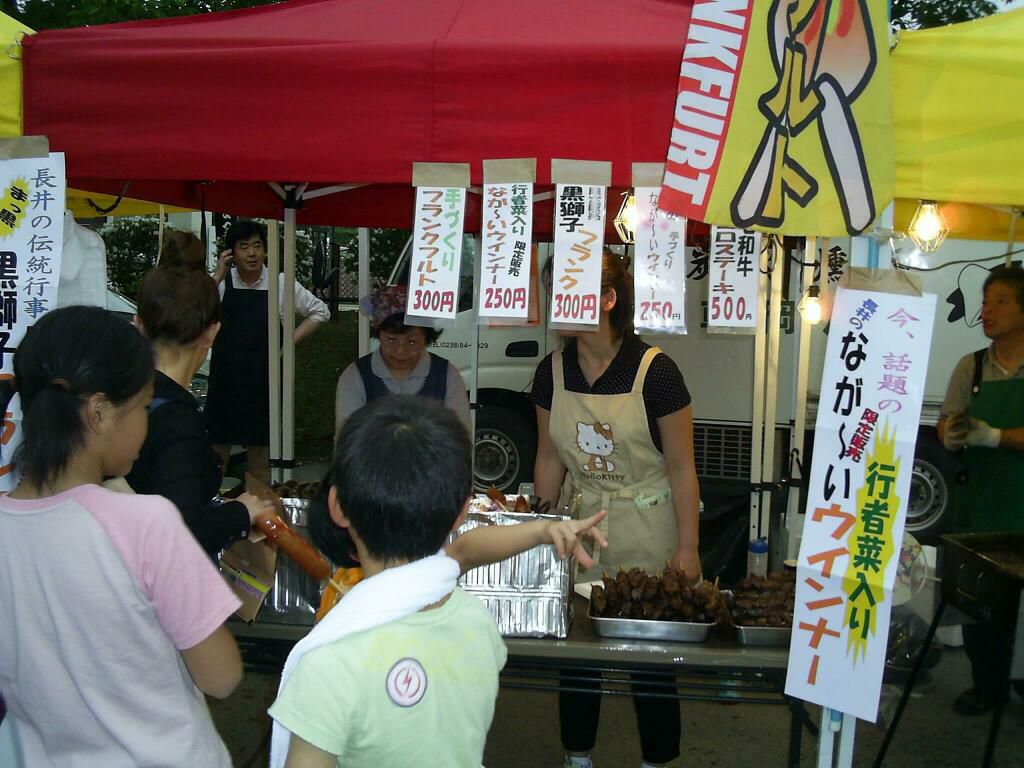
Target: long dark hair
pixel 69 355
pixel 615 274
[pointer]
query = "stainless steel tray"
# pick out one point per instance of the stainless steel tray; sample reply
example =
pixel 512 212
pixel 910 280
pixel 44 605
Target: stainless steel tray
pixel 649 629
pixel 765 637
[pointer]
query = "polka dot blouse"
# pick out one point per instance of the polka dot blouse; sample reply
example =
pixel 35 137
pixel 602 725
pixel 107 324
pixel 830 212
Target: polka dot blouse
pixel 664 389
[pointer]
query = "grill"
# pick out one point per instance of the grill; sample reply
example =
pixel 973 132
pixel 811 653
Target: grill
pixel 982 575
pixel 722 451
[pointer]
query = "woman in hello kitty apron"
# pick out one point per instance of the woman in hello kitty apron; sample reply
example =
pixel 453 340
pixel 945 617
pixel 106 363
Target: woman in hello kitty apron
pixel 615 425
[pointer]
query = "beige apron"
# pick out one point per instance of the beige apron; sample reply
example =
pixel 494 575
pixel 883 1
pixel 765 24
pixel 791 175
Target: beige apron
pixel 605 444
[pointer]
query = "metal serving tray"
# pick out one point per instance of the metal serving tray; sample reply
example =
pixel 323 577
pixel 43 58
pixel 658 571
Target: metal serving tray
pixel 650 629
pixel 764 637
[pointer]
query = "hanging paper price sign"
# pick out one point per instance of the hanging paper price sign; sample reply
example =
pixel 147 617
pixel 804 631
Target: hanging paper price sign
pixel 436 253
pixel 659 266
pixel 732 280
pixel 506 252
pixel 579 240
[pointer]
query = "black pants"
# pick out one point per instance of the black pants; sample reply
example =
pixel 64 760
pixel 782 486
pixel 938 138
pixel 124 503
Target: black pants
pixel 658 719
pixel 989 656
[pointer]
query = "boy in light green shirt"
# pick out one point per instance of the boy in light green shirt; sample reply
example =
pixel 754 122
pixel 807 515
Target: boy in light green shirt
pixel 420 690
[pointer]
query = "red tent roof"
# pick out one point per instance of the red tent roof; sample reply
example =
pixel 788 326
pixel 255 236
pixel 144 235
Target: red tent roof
pixel 353 91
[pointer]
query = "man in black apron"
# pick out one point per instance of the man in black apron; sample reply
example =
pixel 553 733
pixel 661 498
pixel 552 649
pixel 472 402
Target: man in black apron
pixel 238 396
pixel 983 418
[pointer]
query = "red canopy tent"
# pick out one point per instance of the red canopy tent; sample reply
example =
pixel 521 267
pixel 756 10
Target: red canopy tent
pixel 204 111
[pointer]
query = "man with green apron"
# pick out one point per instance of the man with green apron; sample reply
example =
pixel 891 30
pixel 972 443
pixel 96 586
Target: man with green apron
pixel 982 417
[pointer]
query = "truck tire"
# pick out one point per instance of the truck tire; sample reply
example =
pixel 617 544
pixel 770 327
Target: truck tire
pixel 930 508
pixel 505 447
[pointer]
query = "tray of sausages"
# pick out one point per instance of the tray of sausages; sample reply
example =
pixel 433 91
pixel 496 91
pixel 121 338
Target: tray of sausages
pixel 637 605
pixel 761 609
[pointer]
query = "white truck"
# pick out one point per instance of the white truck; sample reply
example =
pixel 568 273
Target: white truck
pixel 719 373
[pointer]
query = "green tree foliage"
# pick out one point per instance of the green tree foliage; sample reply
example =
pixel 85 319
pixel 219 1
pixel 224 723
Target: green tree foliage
pixel 131 250
pixel 385 247
pixel 61 14
pixel 922 14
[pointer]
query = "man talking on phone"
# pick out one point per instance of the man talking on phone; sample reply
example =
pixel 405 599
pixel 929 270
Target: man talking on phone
pixel 238 396
pixel 982 418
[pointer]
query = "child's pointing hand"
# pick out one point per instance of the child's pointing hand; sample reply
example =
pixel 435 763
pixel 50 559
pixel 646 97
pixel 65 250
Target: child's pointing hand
pixel 567 537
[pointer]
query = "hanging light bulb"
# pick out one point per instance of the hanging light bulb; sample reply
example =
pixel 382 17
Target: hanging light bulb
pixel 928 229
pixel 810 306
pixel 626 220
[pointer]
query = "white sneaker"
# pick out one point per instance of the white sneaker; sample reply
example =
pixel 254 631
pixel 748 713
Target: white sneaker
pixel 578 762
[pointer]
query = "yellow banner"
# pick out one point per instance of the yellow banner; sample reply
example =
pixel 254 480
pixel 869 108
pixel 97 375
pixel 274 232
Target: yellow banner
pixel 783 117
pixel 871 543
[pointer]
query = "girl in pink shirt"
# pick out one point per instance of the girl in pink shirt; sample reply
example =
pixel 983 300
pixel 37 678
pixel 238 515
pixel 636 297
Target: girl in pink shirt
pixel 111 615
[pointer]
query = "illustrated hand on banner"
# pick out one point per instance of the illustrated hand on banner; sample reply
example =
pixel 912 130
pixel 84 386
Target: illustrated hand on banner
pixel 783 117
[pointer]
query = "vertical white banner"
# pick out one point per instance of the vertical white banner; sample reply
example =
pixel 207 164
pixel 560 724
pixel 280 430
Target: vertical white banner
pixel 734 260
pixel 506 252
pixel 436 254
pixel 32 193
pixel 659 266
pixel 579 241
pixel 876 362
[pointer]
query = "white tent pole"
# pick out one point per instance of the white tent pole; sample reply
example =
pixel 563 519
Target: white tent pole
pixel 288 378
pixel 777 254
pixel 804 331
pixel 364 288
pixel 474 376
pixel 847 734
pixel 757 417
pixel 826 739
pixel 160 234
pixel 274 341
pixel 1014 216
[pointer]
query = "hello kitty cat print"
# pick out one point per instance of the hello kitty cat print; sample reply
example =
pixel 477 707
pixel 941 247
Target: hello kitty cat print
pixel 597 441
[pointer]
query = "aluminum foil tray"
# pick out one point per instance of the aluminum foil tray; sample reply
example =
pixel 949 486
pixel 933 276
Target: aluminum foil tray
pixel 294 597
pixel 529 595
pixel 765 637
pixel 650 629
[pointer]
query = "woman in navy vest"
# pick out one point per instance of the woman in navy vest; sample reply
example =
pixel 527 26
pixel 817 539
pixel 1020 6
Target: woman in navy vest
pixel 401 365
